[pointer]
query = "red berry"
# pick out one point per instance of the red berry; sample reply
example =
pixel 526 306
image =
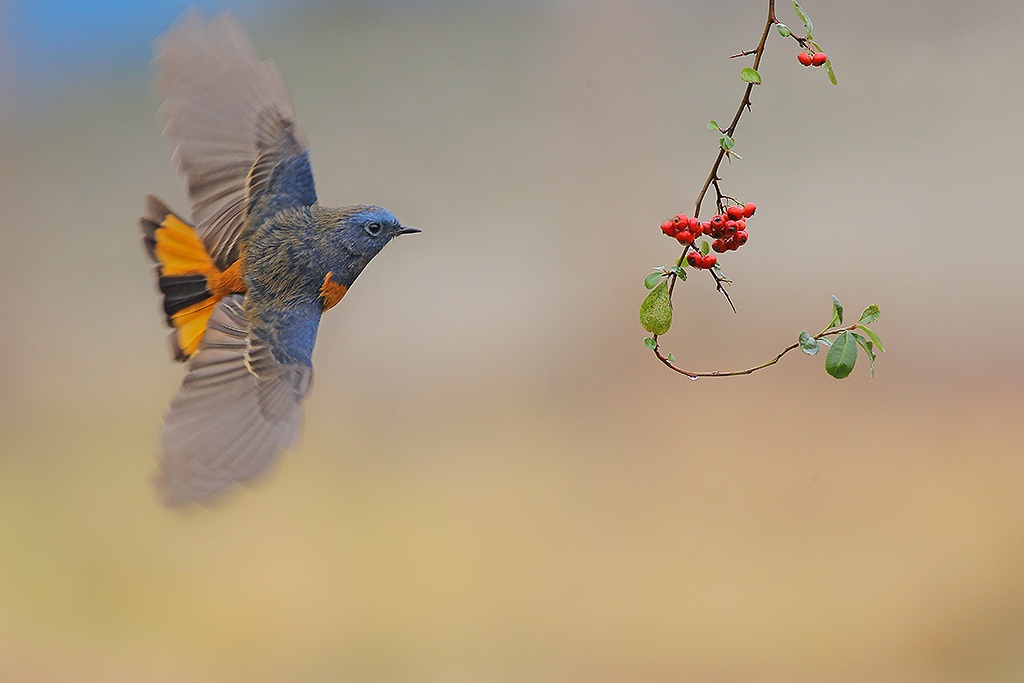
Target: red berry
pixel 718 245
pixel 734 212
pixel 731 227
pixel 818 59
pixel 748 209
pixel 804 58
pixel 741 224
pixel 684 237
pixel 692 224
pixel 718 221
pixel 668 228
pixel 708 261
pixel 694 258
pixel 705 226
pixel 741 238
pixel 697 229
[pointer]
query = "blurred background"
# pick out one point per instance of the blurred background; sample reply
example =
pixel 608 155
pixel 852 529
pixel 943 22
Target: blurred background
pixel 496 480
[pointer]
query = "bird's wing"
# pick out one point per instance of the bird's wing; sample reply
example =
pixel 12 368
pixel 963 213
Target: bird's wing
pixel 231 123
pixel 237 408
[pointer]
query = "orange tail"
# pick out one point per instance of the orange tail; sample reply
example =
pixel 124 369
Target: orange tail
pixel 191 285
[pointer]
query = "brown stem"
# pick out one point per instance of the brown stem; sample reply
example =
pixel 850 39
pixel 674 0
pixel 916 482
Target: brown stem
pixel 692 374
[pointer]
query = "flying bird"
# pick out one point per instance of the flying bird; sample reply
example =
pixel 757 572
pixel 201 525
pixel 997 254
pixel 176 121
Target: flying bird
pixel 246 278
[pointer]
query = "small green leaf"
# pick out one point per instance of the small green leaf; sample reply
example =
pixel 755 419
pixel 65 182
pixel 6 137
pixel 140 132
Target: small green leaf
pixel 830 72
pixel 837 312
pixel 656 310
pixel 651 281
pixel 726 142
pixel 824 341
pixel 808 24
pixel 866 345
pixel 678 270
pixel 872 336
pixel 705 247
pixel 749 75
pixel 870 315
pixel 840 359
pixel 713 125
pixel 783 30
pixel 671 358
pixel 651 343
pixel 808 345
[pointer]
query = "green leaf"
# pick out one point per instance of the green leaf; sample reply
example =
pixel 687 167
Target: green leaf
pixel 842 356
pixel 656 310
pixel 783 30
pixel 749 75
pixel 671 358
pixel 824 341
pixel 651 343
pixel 808 345
pixel 837 312
pixel 808 24
pixel 872 336
pixel 713 125
pixel 678 270
pixel 830 72
pixel 866 345
pixel 651 281
pixel 726 142
pixel 705 247
pixel 870 315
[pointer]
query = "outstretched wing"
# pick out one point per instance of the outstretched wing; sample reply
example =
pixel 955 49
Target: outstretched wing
pixel 229 119
pixel 237 409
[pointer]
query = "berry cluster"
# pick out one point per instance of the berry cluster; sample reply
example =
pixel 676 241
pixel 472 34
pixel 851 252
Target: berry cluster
pixel 816 59
pixel 728 230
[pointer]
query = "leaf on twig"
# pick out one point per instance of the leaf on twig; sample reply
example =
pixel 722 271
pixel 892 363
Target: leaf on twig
pixel 870 315
pixel 842 356
pixel 749 75
pixel 808 24
pixel 866 345
pixel 808 344
pixel 656 310
pixel 837 312
pixel 872 336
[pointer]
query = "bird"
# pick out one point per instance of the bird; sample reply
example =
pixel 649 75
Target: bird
pixel 246 278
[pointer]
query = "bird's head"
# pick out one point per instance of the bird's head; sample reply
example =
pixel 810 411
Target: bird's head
pixel 357 233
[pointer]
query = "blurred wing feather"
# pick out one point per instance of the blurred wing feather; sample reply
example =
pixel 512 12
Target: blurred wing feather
pixel 237 409
pixel 225 109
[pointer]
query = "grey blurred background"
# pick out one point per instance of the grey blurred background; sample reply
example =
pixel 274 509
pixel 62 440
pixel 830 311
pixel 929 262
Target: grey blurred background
pixel 496 481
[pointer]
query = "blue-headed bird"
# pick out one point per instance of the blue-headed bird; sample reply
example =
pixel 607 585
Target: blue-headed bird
pixel 245 282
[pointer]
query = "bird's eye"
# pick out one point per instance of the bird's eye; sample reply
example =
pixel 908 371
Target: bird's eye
pixel 373 228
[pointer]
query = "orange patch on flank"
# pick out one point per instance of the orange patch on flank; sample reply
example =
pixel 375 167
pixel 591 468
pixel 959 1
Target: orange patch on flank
pixel 224 282
pixel 331 292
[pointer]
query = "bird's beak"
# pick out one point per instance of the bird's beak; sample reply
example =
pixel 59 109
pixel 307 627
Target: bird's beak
pixel 407 230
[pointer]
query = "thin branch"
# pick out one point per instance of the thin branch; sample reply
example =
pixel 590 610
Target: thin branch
pixel 736 373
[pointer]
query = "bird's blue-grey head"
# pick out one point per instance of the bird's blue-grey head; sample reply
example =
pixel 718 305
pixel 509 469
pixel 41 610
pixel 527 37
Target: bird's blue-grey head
pixel 357 233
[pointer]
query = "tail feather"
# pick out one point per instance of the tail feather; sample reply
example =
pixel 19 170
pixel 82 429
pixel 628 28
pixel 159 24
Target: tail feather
pixel 189 281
